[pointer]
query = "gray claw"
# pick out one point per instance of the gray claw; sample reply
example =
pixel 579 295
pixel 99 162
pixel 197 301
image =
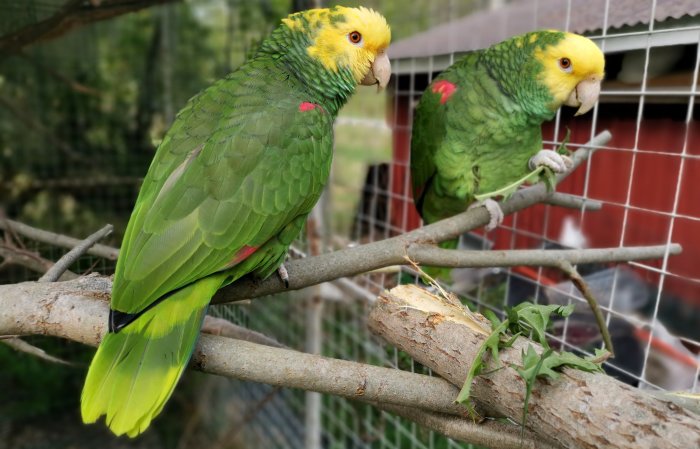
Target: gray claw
pixel 284 275
pixel 557 162
pixel 495 213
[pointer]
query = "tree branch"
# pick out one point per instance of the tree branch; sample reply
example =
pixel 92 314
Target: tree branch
pixel 488 433
pixel 225 328
pixel 77 310
pixel 371 256
pixel 432 255
pixel 360 259
pixel 22 346
pixel 74 14
pixel 577 410
pixel 568 268
pixel 54 239
pixel 573 202
pixel 31 260
pixel 72 84
pixel 60 267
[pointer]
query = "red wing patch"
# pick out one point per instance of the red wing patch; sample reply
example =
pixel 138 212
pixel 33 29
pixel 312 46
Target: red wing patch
pixel 306 106
pixel 445 88
pixel 241 255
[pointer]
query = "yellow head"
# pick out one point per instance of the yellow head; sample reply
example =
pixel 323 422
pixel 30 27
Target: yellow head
pixel 352 38
pixel 573 69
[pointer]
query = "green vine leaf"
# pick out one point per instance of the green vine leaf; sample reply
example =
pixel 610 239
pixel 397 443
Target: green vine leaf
pixel 532 367
pixel 536 318
pixel 526 319
pixel 492 343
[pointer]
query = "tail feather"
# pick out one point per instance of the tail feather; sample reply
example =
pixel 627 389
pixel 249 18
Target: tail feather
pixel 135 370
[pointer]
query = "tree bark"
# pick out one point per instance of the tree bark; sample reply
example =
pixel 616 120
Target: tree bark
pixel 77 310
pixel 578 410
pixel 74 14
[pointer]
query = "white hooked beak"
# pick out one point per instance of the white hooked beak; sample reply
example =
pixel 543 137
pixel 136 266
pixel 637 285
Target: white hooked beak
pixel 379 73
pixel 585 95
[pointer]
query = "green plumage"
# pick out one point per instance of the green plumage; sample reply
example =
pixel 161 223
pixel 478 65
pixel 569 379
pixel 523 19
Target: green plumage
pixel 480 137
pixel 228 191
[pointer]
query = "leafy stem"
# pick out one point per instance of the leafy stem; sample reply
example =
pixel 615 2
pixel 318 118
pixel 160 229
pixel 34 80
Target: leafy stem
pixel 533 320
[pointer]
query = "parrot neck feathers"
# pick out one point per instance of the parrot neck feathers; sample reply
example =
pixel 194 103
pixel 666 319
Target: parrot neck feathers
pixel 287 47
pixel 517 56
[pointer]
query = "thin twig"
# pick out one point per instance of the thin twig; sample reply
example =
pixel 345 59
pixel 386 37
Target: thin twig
pixel 55 272
pixel 55 239
pixel 432 255
pixel 30 260
pixel 71 83
pixel 225 328
pixel 488 433
pixel 573 202
pixel 582 286
pixel 364 258
pixel 22 346
pixel 73 14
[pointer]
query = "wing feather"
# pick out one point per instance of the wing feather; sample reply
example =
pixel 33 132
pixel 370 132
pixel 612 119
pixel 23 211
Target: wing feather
pixel 219 183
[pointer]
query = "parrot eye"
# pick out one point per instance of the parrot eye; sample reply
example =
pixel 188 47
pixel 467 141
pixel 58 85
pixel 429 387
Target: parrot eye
pixel 565 64
pixel 355 37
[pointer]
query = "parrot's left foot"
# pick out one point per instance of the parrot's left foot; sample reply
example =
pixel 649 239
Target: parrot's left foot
pixel 284 275
pixel 495 213
pixel 559 163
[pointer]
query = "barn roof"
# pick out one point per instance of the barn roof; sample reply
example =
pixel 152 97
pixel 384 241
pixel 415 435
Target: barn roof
pixel 487 27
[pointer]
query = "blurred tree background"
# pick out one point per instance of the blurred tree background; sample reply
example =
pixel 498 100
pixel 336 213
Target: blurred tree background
pixel 81 115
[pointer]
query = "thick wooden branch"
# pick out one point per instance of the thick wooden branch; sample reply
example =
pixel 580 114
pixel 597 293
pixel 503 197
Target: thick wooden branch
pixel 360 259
pixel 77 310
pixel 578 410
pixel 74 14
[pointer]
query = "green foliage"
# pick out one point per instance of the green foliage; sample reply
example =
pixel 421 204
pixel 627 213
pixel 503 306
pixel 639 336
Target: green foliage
pixel 492 343
pixel 73 157
pixel 543 365
pixel 532 320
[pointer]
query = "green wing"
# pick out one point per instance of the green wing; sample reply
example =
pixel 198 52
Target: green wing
pixel 477 140
pixel 427 136
pixel 233 171
pixel 436 137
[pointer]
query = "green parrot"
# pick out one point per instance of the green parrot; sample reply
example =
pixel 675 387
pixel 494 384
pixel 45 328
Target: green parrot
pixel 228 191
pixel 477 127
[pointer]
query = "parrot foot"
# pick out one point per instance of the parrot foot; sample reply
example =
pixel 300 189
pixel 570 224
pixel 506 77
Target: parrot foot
pixel 284 275
pixel 495 213
pixel 557 162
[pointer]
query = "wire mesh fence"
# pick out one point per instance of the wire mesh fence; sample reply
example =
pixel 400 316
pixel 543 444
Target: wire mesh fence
pixel 644 177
